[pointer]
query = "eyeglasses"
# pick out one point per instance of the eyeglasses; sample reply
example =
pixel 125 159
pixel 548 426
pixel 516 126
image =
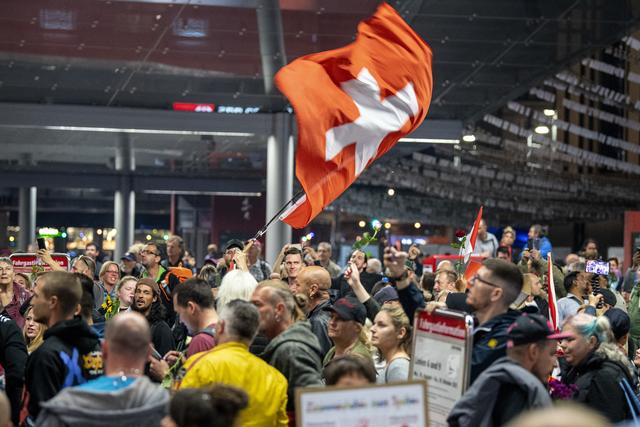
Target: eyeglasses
pixel 9 268
pixel 146 252
pixel 113 271
pixel 476 277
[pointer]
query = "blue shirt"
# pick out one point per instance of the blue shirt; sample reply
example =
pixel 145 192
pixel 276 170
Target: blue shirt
pixel 108 384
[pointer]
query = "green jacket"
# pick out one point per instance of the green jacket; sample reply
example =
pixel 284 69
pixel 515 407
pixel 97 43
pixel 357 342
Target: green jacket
pixel 633 309
pixel 358 348
pixel 296 353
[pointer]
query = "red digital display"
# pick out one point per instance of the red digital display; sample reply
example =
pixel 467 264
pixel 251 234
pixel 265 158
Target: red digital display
pixel 194 107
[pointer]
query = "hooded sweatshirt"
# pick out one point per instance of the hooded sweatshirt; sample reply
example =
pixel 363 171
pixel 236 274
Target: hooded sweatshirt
pixel 296 353
pixel 140 403
pixel 70 355
pixel 484 405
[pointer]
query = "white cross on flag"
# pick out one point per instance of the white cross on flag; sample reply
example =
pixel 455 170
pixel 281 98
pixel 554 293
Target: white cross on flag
pixel 352 105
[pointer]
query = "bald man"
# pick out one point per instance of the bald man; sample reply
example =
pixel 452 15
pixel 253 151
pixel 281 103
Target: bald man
pixel 5 411
pixel 123 389
pixel 314 282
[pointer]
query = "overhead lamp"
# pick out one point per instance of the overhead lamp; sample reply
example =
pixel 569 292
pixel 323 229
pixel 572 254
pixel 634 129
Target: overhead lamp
pixel 549 112
pixel 362 224
pixel 417 225
pixel 387 225
pixel 541 130
pixel 430 140
pixel 469 138
pixel 391 192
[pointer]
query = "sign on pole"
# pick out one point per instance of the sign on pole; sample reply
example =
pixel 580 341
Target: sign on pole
pixel 402 404
pixel 24 262
pixel 441 355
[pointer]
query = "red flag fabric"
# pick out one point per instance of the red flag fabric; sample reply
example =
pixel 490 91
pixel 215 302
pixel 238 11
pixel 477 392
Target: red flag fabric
pixel 470 241
pixel 553 303
pixel 352 104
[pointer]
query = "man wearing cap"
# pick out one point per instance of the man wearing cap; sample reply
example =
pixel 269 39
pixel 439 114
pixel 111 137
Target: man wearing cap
pixel 224 264
pixel 620 326
pixel 345 327
pixel 514 383
pixel 129 265
pixel 146 301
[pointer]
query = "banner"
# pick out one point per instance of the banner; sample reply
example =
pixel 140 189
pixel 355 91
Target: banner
pixel 24 262
pixel 442 345
pixel 402 404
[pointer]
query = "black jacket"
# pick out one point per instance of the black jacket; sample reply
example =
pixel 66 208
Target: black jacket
pixel 598 379
pixel 490 342
pixel 319 320
pixel 161 335
pixel 70 355
pixel 13 358
pixel 340 287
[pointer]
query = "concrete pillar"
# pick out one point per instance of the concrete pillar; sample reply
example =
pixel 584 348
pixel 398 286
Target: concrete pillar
pixel 279 181
pixel 280 141
pixel 124 203
pixel 27 217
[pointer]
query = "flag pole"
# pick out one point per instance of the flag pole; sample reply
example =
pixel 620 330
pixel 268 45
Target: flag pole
pixel 264 229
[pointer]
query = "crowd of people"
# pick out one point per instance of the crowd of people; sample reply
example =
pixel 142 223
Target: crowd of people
pixel 151 339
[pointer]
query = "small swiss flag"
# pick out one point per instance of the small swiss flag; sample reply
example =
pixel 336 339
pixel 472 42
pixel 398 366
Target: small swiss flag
pixel 352 105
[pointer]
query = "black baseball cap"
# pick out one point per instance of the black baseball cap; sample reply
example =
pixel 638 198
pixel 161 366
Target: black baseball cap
pixel 234 243
pixel 620 322
pixel 128 256
pixel 386 294
pixel 530 328
pixel 349 308
pixel 608 297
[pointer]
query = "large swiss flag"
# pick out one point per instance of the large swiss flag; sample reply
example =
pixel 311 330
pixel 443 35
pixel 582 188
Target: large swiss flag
pixel 352 105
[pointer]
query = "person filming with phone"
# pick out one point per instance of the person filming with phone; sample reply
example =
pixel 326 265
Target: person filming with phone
pixel 538 241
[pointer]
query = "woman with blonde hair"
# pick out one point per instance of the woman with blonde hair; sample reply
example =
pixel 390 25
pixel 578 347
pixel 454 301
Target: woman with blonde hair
pixel 125 290
pixel 104 291
pixel 391 335
pixel 32 331
pixel 596 366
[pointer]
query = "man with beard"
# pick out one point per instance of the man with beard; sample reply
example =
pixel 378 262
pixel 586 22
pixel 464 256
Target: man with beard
pixel 151 260
pixel 293 348
pixel 578 287
pixel 146 301
pixel 314 283
pixel 340 284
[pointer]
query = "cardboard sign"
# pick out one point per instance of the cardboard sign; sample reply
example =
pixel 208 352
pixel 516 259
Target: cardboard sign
pixel 24 262
pixel 402 404
pixel 442 356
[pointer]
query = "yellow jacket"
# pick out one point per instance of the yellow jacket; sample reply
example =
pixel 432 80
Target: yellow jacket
pixel 232 364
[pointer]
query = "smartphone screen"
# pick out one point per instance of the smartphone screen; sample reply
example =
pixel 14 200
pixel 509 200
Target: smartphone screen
pixel 597 267
pixel 41 244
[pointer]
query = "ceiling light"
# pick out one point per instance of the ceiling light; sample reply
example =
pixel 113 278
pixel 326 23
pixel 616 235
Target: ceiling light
pixel 417 225
pixel 387 225
pixel 127 130
pixel 391 192
pixel 430 140
pixel 549 113
pixel 362 223
pixel 542 130
pixel 469 138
